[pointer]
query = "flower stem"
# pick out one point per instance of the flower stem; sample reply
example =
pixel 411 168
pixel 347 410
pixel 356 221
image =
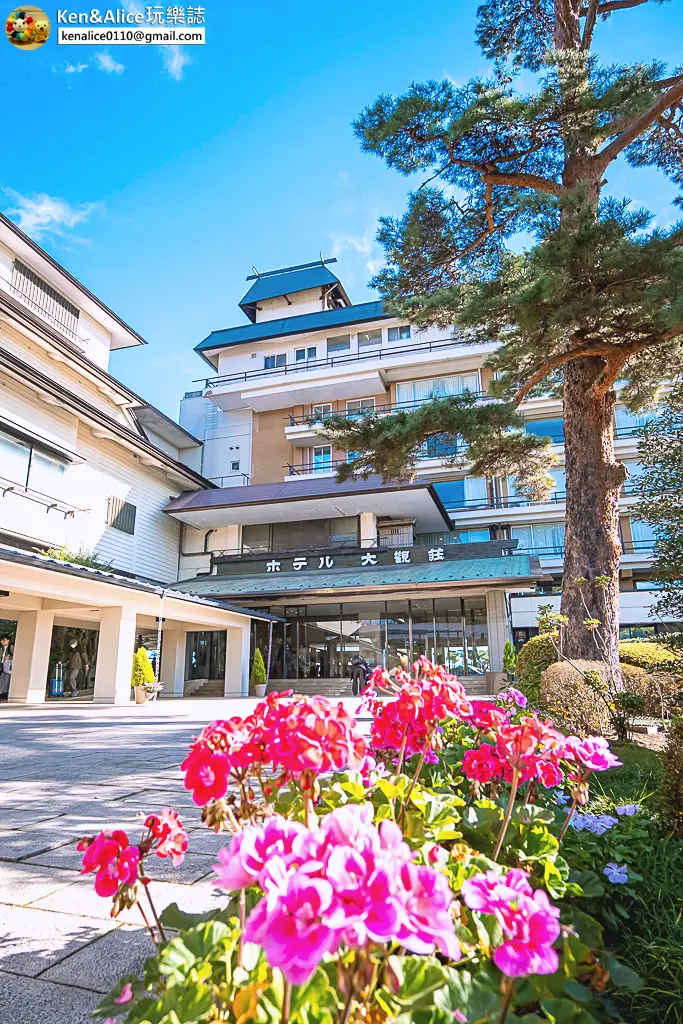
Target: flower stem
pixel 402 752
pixel 243 921
pixel 509 992
pixel 286 1002
pixel 149 927
pixel 162 934
pixel 572 808
pixel 508 813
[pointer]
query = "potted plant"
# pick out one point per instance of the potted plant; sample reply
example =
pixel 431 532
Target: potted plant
pixel 258 674
pixel 142 677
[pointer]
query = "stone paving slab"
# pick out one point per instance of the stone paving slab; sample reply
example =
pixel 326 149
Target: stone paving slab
pixel 32 940
pixel 21 884
pixel 18 844
pixel 34 1001
pixel 99 965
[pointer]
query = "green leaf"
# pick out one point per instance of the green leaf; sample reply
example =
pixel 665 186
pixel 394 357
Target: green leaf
pixel 621 975
pixel 419 978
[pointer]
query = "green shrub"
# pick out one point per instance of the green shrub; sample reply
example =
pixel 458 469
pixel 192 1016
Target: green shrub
pixel 258 669
pixel 143 673
pixel 534 658
pixel 672 778
pixel 577 703
pixel 509 658
pixel 660 692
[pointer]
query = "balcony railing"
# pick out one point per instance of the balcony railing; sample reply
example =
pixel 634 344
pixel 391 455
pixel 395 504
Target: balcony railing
pixel 390 352
pixel 376 410
pixel 631 547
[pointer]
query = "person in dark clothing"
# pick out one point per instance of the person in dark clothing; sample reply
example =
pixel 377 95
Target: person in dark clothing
pixel 6 657
pixel 359 674
pixel 77 664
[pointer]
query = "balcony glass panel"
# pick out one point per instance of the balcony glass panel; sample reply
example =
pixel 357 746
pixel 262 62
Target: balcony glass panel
pixel 553 428
pixel 416 392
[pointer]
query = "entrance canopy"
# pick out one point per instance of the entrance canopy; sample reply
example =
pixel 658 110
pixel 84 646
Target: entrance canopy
pixel 322 498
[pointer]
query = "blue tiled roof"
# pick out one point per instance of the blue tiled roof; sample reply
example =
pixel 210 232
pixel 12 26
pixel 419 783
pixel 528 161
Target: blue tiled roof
pixel 305 323
pixel 287 282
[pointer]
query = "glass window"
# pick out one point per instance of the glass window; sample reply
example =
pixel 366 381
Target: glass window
pixel 340 343
pixel 322 458
pixel 301 535
pixel 397 630
pixel 422 614
pixel 476 636
pixel 319 644
pixel 205 655
pixel 321 412
pixel 626 421
pixel 450 634
pixel 358 406
pixel 401 333
pixel 256 537
pixel 416 392
pixel 473 536
pixel 369 339
pixel 272 362
pixel 14 459
pixel 543 538
pixel 476 493
pixel 363 629
pixel 303 354
pixel 553 429
pixel 632 485
pixel 643 535
pixel 344 531
pixel 451 492
pixel 46 475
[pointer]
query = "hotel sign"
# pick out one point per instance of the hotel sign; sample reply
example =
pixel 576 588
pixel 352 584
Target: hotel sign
pixel 365 559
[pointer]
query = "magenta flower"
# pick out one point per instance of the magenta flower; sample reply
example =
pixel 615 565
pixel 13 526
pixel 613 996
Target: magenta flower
pixel 125 995
pixel 528 920
pixel 112 858
pixel 482 765
pixel 346 885
pixel 593 753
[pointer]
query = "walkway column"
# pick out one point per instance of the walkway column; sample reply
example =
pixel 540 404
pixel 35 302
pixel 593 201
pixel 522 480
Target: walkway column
pixel 237 642
pixel 31 657
pixel 498 628
pixel 173 662
pixel 115 655
pixel 368 529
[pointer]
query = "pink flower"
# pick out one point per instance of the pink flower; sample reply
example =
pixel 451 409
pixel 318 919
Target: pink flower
pixel 513 696
pixel 486 715
pixel 528 920
pixel 125 995
pixel 168 828
pixel 482 765
pixel 346 884
pixel 112 858
pixel 593 753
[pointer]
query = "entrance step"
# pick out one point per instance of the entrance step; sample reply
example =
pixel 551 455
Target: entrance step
pixel 475 686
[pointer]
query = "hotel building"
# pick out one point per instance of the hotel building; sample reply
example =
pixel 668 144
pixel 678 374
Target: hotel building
pixel 449 564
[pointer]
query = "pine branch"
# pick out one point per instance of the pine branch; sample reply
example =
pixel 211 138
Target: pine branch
pixel 612 5
pixel 589 27
pixel 670 98
pixel 534 181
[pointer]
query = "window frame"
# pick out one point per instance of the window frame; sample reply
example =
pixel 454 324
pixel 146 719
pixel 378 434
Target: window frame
pixel 279 360
pixel 341 340
pixel 397 329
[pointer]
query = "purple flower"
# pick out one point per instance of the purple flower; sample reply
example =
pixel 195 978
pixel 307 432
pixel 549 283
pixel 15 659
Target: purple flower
pixel 562 799
pixel 513 696
pixel 627 809
pixel 617 874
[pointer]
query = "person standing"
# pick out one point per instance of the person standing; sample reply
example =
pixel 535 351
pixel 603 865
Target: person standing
pixel 359 674
pixel 6 657
pixel 76 664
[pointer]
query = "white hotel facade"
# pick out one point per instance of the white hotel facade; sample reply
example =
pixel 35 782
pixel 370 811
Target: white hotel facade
pixel 457 564
pixel 229 528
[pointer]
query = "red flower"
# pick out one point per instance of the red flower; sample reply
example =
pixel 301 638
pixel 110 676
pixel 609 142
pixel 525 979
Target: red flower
pixel 206 773
pixel 168 829
pixel 112 858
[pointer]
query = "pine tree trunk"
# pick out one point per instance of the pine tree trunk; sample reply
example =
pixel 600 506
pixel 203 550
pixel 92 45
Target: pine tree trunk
pixel 592 542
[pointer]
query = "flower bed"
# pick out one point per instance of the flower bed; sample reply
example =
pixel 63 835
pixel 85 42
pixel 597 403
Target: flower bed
pixel 368 881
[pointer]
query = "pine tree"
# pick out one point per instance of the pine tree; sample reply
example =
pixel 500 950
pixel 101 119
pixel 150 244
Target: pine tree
pixel 597 296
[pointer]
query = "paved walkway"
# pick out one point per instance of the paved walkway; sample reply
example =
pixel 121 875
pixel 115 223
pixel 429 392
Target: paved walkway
pixel 71 771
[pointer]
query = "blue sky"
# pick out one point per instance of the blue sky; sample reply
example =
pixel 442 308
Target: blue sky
pixel 159 176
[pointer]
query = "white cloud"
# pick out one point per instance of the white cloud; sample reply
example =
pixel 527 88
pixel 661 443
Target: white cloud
pixel 175 61
pixel 39 214
pixel 105 62
pixel 364 245
pixel 75 69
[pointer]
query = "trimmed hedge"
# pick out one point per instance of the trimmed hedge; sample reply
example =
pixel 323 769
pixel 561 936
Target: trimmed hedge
pixel 538 654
